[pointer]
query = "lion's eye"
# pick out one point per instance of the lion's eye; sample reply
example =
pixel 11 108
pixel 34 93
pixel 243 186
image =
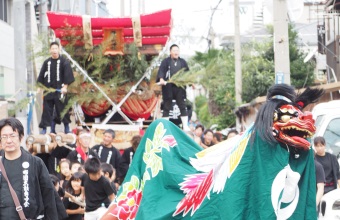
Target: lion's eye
pixel 291 111
pixel 285 118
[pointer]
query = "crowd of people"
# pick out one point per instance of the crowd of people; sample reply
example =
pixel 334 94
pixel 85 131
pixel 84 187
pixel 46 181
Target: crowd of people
pixel 86 179
pixel 99 171
pixel 207 137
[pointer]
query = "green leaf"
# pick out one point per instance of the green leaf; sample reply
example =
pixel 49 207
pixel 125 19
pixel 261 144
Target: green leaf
pixel 146 158
pixel 148 145
pixel 156 165
pixel 146 177
pixel 135 182
pixel 159 133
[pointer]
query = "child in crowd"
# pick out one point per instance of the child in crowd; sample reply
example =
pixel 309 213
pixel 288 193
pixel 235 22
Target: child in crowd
pixel 72 202
pixel 232 133
pixel 56 184
pixel 65 170
pixel 207 140
pixel 81 169
pixel 198 132
pixel 110 173
pixel 98 190
pixel 75 167
pixel 59 194
pixel 217 138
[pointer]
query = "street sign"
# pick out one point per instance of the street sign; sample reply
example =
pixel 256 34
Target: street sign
pixel 279 78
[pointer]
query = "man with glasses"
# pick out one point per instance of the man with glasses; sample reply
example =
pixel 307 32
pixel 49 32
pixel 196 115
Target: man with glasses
pixel 28 176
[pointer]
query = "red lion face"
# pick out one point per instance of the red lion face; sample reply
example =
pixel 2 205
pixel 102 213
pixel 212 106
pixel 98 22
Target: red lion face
pixel 292 126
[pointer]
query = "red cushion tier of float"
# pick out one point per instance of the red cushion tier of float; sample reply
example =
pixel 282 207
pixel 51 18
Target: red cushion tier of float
pixel 58 20
pixel 128 32
pixel 145 41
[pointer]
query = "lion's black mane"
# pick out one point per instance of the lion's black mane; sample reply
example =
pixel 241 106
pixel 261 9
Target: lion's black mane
pixel 264 120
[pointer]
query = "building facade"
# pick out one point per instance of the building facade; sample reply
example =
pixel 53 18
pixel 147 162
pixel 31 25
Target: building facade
pixel 7 51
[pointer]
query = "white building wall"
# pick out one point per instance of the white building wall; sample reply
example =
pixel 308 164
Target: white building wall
pixel 311 13
pixel 7 59
pixel 7 45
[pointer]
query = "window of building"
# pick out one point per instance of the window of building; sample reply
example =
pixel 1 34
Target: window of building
pixel 3 10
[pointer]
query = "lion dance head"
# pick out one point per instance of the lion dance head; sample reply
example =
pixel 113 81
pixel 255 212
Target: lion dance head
pixel 281 117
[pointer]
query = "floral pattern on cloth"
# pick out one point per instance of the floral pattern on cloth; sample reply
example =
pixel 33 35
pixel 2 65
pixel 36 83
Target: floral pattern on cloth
pixel 129 200
pixel 126 204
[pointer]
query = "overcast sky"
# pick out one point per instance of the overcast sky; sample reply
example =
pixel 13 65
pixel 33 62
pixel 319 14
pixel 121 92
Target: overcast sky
pixel 191 18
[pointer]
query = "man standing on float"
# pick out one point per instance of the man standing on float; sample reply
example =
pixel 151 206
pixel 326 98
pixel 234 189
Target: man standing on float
pixel 169 67
pixel 56 73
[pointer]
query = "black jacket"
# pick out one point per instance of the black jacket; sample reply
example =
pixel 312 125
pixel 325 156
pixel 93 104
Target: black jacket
pixel 65 77
pixel 163 73
pixel 39 199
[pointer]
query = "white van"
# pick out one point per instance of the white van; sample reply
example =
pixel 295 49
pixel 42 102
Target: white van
pixel 327 122
pixel 325 108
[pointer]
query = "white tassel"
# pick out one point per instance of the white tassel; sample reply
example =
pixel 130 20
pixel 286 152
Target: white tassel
pixel 58 75
pixel 100 152
pixel 109 157
pixel 49 72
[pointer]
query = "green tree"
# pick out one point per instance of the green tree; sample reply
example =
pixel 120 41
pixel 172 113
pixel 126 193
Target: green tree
pixel 258 74
pixel 257 71
pixel 218 80
pixel 259 68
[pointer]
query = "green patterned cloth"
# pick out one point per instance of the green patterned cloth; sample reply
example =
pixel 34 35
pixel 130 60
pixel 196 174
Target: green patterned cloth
pixel 232 180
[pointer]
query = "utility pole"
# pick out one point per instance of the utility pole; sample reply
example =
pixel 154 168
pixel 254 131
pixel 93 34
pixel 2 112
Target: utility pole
pixel 29 64
pixel 96 2
pixel 122 8
pixel 19 25
pixel 130 8
pixel 88 7
pixel 142 10
pixel 237 53
pixel 281 42
pixel 43 17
